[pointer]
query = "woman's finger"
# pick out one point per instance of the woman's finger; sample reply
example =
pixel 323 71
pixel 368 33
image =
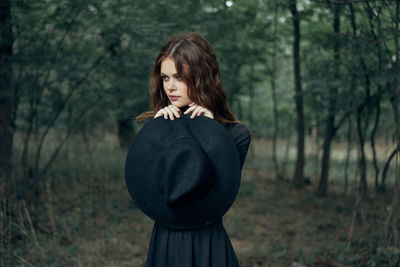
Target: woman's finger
pixel 175 107
pixel 175 111
pixel 165 114
pixel 196 112
pixel 193 107
pixel 169 112
pixel 158 114
pixel 209 115
pixel 201 111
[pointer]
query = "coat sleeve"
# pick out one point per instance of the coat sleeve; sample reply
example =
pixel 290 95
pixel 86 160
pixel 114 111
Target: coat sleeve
pixel 241 136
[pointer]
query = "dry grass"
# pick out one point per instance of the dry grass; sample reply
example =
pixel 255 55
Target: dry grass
pixel 277 227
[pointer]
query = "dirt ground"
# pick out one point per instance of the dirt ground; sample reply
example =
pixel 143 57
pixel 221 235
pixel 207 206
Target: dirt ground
pixel 96 224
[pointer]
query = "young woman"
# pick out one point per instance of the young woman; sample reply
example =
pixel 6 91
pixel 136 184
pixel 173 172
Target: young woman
pixel 186 80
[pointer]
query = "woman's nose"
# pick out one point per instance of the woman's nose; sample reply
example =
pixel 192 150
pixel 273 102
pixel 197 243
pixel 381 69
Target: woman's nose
pixel 171 86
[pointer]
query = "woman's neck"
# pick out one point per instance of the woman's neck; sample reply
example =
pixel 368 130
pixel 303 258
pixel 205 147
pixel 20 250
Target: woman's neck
pixel 184 108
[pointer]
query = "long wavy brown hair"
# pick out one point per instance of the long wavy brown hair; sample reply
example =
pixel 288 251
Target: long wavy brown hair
pixel 198 67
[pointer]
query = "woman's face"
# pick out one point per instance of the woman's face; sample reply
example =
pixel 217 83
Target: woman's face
pixel 174 87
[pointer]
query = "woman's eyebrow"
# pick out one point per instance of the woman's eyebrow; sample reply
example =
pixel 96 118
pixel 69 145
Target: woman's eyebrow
pixel 174 74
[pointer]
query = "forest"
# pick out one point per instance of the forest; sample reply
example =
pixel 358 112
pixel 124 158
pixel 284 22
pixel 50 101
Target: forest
pixel 315 81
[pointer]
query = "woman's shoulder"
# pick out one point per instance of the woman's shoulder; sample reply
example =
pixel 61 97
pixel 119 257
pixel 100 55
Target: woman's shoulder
pixel 240 133
pixel 147 120
pixel 237 127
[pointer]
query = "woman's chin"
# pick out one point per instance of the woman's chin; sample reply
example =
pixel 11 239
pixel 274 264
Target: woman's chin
pixel 179 104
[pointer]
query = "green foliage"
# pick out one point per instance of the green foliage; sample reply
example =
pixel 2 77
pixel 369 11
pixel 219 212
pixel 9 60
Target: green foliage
pixel 79 62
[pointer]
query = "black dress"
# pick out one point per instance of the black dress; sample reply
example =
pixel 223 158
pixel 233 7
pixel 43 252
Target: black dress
pixel 206 247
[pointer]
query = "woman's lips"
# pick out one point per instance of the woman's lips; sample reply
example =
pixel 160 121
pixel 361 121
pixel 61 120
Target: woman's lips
pixel 173 97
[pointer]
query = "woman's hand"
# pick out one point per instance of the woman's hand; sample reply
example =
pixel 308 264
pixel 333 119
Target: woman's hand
pixel 197 110
pixel 170 111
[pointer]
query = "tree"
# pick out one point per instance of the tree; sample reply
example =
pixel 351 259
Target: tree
pixel 330 128
pixel 7 104
pixel 392 223
pixel 298 179
pixel 274 72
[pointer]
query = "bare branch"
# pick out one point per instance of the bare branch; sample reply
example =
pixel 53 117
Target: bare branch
pixel 59 111
pixel 59 48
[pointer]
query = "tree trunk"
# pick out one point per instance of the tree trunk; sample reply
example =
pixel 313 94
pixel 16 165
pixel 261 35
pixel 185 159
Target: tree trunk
pixel 372 141
pixel 362 162
pixel 285 162
pixel 7 104
pixel 362 129
pixel 382 187
pixel 124 121
pixel 374 14
pixel 274 100
pixel 330 128
pixel 347 162
pixel 298 179
pixel 323 183
pixel 250 107
pixel 315 145
pixel 239 107
pixel 392 222
pixel 126 132
pixel 395 98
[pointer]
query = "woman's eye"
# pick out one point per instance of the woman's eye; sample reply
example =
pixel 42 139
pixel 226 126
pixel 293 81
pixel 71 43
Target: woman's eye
pixel 164 78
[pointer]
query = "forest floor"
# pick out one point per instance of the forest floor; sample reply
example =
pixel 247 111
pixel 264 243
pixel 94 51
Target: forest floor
pixel 95 223
pixel 85 216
